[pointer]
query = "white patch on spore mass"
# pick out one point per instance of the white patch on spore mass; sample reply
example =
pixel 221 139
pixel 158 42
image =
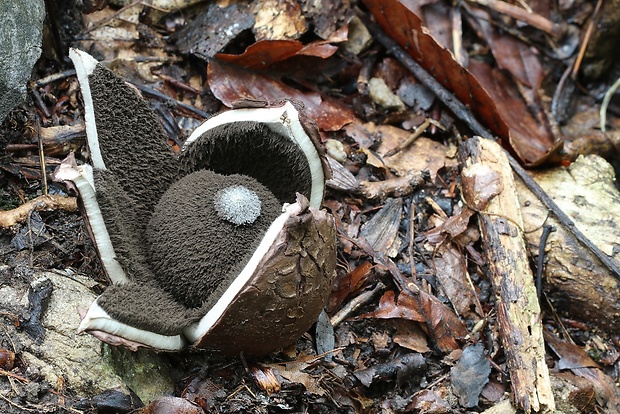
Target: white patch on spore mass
pixel 237 204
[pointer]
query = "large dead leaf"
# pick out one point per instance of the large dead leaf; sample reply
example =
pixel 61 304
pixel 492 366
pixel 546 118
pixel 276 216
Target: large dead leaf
pixel 487 98
pixel 510 53
pixel 406 28
pixel 423 154
pixel 265 53
pixel 231 83
pixel 530 140
pixel 409 335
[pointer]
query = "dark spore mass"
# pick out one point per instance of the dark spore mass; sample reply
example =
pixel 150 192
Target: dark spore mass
pixel 195 254
pixel 253 149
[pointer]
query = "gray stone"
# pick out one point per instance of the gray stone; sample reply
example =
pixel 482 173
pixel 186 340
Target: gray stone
pixel 87 365
pixel 77 358
pixel 21 27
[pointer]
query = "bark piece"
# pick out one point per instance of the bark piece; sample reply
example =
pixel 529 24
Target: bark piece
pixel 488 186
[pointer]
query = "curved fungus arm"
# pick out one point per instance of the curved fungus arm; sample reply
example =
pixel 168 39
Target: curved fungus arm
pixel 82 177
pixel 97 319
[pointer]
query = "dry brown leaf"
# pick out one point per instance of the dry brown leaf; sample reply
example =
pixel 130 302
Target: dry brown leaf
pixel 293 371
pixel 441 324
pixel 347 283
pixel 429 401
pixel 388 308
pixel 381 231
pixel 452 226
pixel 481 185
pixel 265 53
pixel 422 155
pixel 230 83
pixel 409 335
pixel 579 362
pixel 202 391
pixel 451 272
pixel 528 138
pixel 510 53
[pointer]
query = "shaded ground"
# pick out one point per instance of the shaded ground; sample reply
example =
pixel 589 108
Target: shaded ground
pixel 388 207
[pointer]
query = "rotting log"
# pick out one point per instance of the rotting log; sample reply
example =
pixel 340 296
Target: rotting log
pixel 489 188
pixel 576 282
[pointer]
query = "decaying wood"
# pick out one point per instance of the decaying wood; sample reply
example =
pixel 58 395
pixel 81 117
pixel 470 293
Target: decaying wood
pixel 489 188
pixel 45 202
pixel 575 280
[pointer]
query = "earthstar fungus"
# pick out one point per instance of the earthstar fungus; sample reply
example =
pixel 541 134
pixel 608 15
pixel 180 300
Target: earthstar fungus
pixel 224 246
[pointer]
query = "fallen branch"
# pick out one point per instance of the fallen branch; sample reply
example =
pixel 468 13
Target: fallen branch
pixel 489 188
pixel 42 203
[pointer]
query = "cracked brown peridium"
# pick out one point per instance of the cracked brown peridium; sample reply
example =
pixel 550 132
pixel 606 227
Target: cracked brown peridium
pixel 285 294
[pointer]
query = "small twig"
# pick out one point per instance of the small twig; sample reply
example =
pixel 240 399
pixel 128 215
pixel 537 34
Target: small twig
pixel 355 303
pixel 457 34
pixel 432 384
pixel 547 229
pixel 411 139
pixel 39 102
pixel 608 95
pixel 177 83
pixel 410 249
pixel 16 405
pixel 55 77
pixel 42 157
pixel 397 187
pixel 586 39
pixel 535 20
pixel 465 115
pixel 567 335
pixel 17 377
pixel 166 98
pixel 31 239
pixel 45 202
